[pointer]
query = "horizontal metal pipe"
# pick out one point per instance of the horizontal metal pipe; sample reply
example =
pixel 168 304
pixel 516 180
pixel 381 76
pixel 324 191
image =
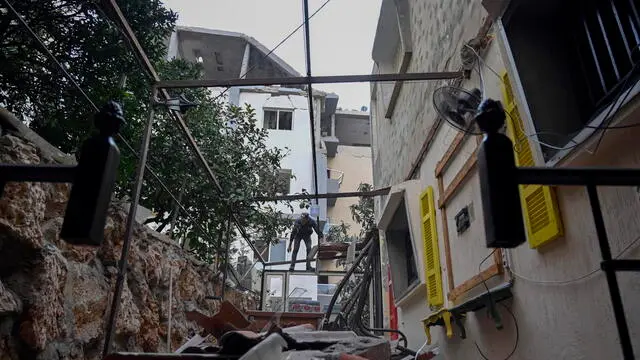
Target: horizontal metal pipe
pixel 304 80
pixel 377 192
pixel 303 260
pixel 620 265
pixel 37 173
pixel 578 176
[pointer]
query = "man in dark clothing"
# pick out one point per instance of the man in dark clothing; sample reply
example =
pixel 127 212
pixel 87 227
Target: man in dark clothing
pixel 302 230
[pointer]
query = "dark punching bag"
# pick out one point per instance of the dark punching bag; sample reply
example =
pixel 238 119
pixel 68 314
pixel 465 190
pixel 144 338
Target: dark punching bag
pixel 93 184
pixel 503 222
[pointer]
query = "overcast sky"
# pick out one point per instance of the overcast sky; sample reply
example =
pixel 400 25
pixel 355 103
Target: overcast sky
pixel 341 34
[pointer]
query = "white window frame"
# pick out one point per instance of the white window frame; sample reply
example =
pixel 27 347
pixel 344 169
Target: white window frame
pixel 277 111
pixel 565 155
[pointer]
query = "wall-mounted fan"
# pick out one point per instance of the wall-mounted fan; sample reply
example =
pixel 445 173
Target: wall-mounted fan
pixel 457 106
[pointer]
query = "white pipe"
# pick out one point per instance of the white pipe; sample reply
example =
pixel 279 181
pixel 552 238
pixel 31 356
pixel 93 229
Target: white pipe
pixel 170 298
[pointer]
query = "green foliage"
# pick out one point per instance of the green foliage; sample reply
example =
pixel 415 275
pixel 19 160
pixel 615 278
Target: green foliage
pixel 93 51
pixel 340 233
pixel 98 56
pixel 362 213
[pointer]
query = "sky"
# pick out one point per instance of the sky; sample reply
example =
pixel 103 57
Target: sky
pixel 341 34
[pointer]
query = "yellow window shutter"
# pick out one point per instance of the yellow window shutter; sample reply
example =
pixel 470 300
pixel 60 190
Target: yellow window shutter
pixel 539 204
pixel 433 276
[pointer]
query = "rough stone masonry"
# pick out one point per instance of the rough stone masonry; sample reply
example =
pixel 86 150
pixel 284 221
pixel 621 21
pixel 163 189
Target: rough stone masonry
pixel 54 297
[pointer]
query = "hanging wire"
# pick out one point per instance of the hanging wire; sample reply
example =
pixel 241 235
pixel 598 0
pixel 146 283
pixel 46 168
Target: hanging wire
pixel 571 136
pixel 574 280
pixel 276 47
pixel 515 345
pixel 492 303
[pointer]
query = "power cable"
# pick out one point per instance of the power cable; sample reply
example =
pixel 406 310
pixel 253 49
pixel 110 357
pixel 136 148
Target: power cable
pixel 609 116
pixel 277 46
pixel 492 303
pixel 574 280
pixel 515 345
pixel 480 271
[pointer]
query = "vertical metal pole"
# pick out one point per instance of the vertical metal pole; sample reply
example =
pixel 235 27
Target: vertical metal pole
pixel 612 281
pixel 131 218
pixel 226 256
pixel 307 45
pixel 170 306
pixel 261 289
pixel 377 286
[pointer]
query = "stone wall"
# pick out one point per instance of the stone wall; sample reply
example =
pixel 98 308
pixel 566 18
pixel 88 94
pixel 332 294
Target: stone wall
pixel 438 30
pixel 55 298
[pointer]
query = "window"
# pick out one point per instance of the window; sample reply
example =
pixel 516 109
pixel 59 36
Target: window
pixel 401 256
pixel 278 252
pixel 283 185
pixel 278 119
pixel 270 119
pixel 575 65
pixel 285 120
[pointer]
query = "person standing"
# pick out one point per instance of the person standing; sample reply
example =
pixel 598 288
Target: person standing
pixel 302 230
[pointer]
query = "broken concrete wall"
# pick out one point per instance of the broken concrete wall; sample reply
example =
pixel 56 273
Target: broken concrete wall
pixel 55 298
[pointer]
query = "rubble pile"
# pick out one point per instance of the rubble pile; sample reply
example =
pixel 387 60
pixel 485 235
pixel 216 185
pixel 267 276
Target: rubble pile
pixel 225 335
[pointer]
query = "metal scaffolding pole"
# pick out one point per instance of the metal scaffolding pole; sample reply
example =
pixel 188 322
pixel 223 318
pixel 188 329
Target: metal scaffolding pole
pixel 226 256
pixel 372 193
pixel 307 46
pixel 305 80
pixel 131 218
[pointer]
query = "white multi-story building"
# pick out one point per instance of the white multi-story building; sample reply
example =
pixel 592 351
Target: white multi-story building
pixel 284 112
pixel 342 138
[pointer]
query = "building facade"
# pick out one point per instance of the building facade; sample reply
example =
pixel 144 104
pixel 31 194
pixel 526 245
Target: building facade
pixel 558 84
pixel 342 147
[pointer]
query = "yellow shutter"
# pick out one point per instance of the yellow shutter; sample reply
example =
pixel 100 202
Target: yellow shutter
pixel 539 204
pixel 433 276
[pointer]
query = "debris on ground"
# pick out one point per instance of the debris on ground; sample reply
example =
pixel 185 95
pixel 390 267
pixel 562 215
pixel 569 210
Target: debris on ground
pixel 226 336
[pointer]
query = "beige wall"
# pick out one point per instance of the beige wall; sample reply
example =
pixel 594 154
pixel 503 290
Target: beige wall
pixel 556 320
pixel 355 162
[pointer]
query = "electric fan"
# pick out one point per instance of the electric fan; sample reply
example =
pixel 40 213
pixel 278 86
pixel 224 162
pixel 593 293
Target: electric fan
pixel 457 106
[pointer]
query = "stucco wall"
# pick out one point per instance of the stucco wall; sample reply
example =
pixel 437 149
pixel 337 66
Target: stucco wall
pixel 299 157
pixel 560 321
pixel 355 163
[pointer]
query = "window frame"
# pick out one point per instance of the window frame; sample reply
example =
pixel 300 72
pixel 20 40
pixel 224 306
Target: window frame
pixel 404 198
pixel 569 153
pixel 277 111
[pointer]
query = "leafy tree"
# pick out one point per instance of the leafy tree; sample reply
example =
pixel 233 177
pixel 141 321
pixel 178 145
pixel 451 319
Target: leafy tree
pixel 92 49
pixel 96 53
pixel 362 213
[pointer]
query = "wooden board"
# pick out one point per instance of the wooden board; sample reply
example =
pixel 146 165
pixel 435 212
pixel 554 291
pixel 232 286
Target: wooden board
pixel 474 281
pixel 459 179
